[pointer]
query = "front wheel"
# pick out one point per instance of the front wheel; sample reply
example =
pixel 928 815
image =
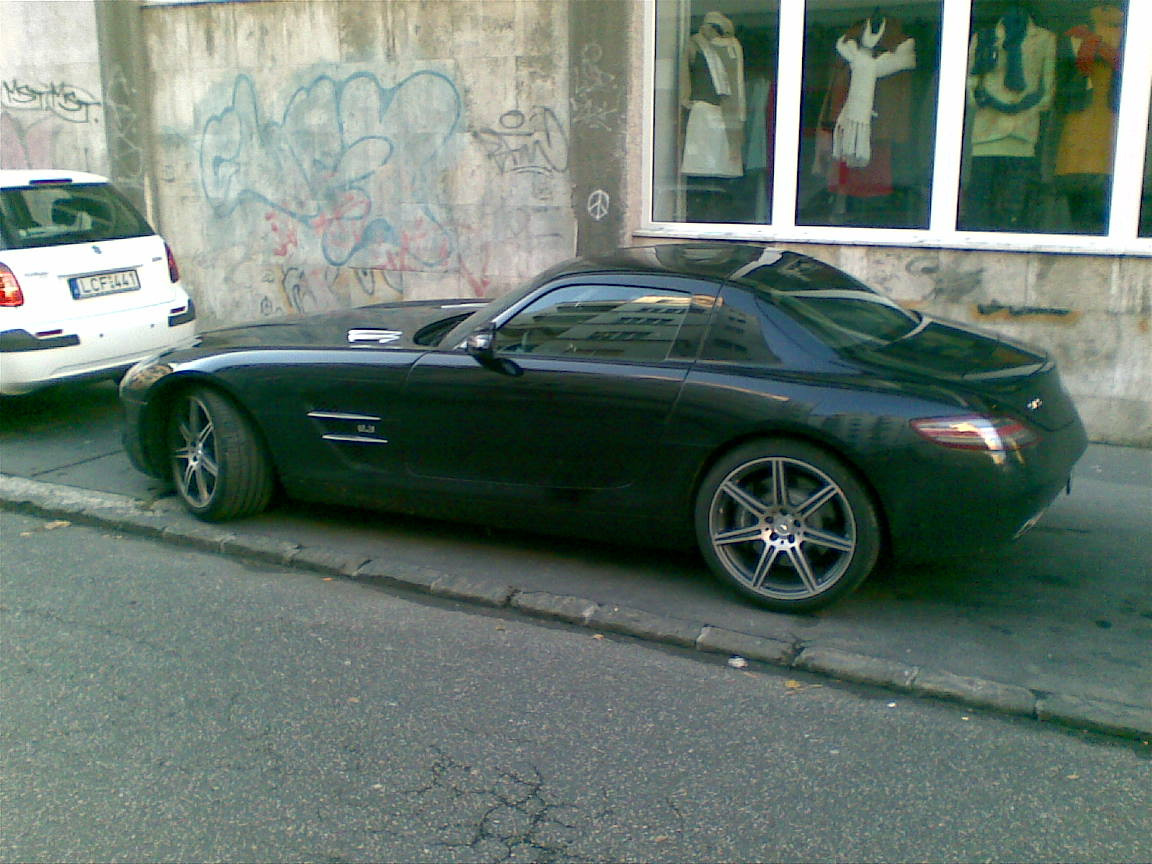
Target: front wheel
pixel 217 461
pixel 787 524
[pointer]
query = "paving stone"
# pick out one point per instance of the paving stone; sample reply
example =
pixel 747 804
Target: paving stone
pixel 261 549
pixel 206 537
pixel 645 625
pixel 717 640
pixel 329 560
pixel 1097 715
pixel 402 575
pixel 976 692
pixel 856 667
pixel 130 521
pixel 474 589
pixel 548 605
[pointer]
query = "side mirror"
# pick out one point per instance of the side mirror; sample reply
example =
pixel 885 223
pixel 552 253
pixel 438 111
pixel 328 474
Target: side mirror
pixel 479 343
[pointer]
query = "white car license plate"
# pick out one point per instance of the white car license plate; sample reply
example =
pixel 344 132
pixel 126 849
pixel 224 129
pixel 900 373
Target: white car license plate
pixel 99 284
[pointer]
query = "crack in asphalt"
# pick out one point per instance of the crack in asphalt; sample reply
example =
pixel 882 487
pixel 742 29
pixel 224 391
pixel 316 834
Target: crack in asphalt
pixel 504 816
pixel 57 468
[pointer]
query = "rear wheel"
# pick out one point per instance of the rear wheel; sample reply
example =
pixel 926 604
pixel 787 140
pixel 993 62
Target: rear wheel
pixel 217 461
pixel 787 524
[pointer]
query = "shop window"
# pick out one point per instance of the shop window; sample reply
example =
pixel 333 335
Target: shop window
pixel 845 120
pixel 1043 93
pixel 1146 198
pixel 868 113
pixel 716 100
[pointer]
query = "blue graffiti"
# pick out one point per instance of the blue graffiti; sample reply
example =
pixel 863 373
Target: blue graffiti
pixel 351 160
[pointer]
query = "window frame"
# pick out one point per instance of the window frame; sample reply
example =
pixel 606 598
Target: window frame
pixel 1128 180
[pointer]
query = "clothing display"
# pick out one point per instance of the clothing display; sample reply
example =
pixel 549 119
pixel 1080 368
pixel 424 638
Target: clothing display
pixel 1088 101
pixel 1011 83
pixel 712 89
pixel 867 108
pixel 1001 192
pixel 852 136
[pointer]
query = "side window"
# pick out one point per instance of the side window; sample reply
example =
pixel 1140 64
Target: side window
pixel 735 335
pixel 608 321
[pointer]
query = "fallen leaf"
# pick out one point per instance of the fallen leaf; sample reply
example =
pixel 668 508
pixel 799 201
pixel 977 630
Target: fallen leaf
pixel 47 526
pixel 794 686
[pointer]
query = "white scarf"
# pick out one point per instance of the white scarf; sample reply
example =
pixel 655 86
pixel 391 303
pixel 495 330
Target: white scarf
pixel 715 65
pixel 852 138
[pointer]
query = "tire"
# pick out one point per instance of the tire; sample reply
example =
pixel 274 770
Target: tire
pixel 218 464
pixel 787 524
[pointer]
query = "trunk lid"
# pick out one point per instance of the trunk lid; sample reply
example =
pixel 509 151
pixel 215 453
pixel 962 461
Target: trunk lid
pixel 1010 375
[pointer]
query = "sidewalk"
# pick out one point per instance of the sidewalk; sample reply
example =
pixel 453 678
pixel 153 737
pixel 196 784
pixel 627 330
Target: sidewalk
pixel 1057 627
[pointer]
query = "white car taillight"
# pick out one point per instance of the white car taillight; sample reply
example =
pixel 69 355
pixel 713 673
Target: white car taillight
pixel 173 270
pixel 976 432
pixel 10 293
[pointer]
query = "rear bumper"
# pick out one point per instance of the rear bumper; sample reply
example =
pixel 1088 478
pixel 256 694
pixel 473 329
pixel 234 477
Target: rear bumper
pixel 975 500
pixel 29 362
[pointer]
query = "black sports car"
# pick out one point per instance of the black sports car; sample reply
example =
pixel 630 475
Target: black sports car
pixel 789 420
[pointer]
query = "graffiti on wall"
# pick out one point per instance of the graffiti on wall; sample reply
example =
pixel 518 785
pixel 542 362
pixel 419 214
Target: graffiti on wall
pixel 950 282
pixel 45 125
pixel 126 135
pixel 532 143
pixel 596 94
pixel 64 101
pixel 348 164
pixel 355 192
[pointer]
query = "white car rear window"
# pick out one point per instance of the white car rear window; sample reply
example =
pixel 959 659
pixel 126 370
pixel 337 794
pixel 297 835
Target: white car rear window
pixel 56 214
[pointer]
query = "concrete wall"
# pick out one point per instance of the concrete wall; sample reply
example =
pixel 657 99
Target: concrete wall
pixel 312 155
pixel 52 111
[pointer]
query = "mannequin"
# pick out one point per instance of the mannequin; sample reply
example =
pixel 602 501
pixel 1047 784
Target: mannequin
pixel 1011 83
pixel 867 109
pixel 712 89
pixel 1089 90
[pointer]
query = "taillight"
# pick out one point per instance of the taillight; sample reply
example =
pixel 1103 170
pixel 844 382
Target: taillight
pixel 10 293
pixel 976 432
pixel 173 270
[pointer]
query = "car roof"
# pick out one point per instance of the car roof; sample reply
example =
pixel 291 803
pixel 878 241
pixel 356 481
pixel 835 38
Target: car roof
pixel 15 178
pixel 716 260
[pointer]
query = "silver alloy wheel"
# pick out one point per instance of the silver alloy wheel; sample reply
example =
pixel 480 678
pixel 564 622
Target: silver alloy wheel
pixel 196 463
pixel 782 528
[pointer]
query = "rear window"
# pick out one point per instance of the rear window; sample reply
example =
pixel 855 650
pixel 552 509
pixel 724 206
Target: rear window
pixel 57 214
pixel 842 311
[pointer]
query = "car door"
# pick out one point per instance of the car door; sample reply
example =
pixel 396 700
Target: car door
pixel 582 380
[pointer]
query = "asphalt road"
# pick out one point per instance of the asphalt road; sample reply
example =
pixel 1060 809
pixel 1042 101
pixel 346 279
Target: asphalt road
pixel 165 707
pixel 1067 609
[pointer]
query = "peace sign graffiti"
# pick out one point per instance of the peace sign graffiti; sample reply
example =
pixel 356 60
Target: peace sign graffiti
pixel 599 202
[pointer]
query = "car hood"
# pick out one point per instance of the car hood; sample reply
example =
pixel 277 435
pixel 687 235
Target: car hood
pixel 1006 373
pixel 393 325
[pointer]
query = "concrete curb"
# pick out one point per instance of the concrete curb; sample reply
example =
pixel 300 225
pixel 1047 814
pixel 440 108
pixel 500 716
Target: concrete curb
pixel 164 520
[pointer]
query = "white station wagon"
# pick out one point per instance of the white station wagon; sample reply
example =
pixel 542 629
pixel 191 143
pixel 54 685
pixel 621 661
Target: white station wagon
pixel 87 287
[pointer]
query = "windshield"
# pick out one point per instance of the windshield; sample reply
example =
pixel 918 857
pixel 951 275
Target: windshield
pixel 56 214
pixel 828 302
